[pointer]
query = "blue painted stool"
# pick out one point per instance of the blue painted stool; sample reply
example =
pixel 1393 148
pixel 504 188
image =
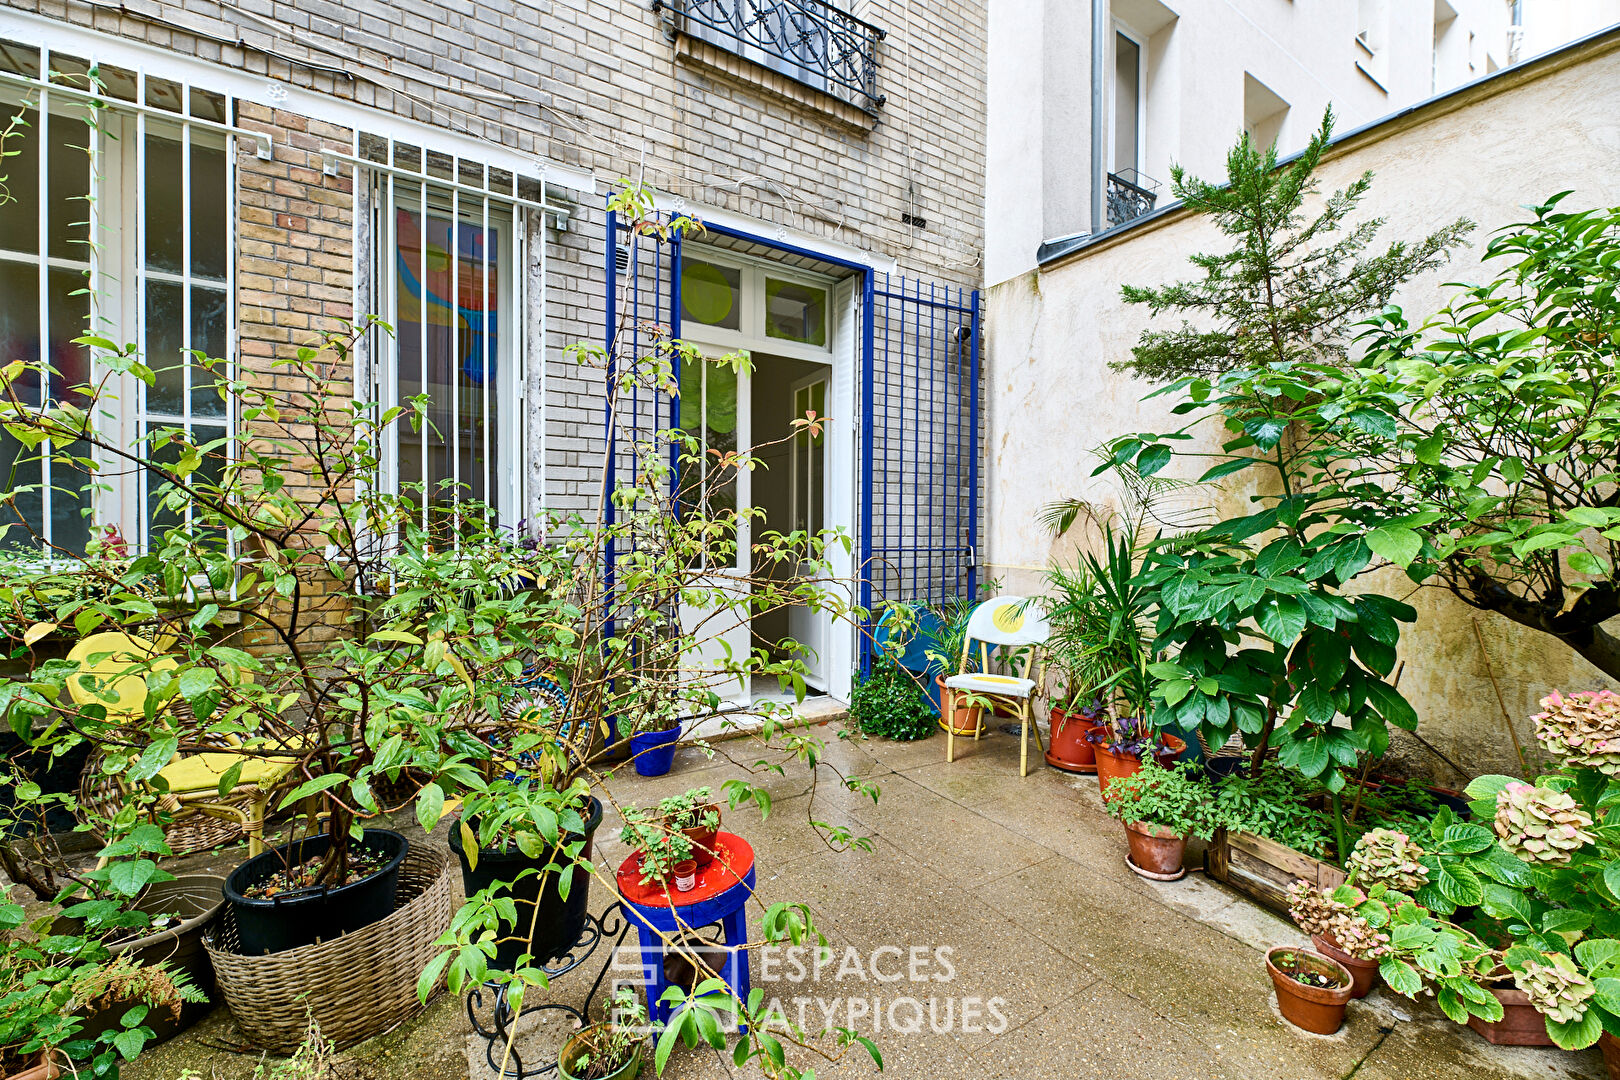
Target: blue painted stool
pixel 719 897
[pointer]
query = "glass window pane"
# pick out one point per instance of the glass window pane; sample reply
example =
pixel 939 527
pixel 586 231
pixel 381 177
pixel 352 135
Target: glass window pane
pixel 208 196
pixel 19 324
pixel 70 498
pixel 163 93
pixel 117 82
pixel 164 243
pixel 207 337
pixel 159 518
pixel 19 181
pixel 69 209
pixel 476 322
pixel 795 312
pixel 70 319
pixel 1127 83
pixel 207 105
pixel 709 293
pixel 70 71
pixel 19 59
pixel 165 342
pixel 22 508
pixel 423 327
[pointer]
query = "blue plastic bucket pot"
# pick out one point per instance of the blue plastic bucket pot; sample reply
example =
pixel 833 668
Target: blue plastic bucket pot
pixel 654 751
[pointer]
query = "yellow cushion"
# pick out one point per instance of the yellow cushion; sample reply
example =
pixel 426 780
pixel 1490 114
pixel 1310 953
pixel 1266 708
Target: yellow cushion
pixel 119 675
pixel 201 772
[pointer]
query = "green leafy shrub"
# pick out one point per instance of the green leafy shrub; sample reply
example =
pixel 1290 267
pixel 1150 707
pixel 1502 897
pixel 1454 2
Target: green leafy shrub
pixel 891 703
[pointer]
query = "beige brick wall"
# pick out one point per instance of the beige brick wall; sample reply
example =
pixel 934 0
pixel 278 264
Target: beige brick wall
pixel 602 86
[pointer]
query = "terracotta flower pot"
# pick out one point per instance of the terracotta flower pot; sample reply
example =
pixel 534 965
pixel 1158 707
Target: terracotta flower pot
pixel 1363 973
pixel 1313 1008
pixel 44 1067
pixel 1610 1047
pixel 1520 1025
pixel 1067 748
pixel 955 714
pixel 1155 850
pixel 703 839
pixel 1112 766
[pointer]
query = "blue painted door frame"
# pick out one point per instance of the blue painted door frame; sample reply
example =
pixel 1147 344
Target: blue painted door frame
pixel 917 503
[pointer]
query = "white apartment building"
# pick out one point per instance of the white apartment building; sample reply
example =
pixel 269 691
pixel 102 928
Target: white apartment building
pixel 1174 83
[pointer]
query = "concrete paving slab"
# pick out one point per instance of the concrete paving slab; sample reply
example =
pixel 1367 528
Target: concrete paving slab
pixel 1098 972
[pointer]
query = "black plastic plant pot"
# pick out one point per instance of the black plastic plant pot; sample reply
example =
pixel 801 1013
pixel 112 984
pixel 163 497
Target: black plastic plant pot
pixel 304 916
pixel 559 923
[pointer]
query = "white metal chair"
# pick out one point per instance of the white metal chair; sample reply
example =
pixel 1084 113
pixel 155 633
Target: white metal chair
pixel 1014 623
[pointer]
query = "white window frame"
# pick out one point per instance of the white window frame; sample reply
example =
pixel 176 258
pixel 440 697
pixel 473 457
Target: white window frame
pixel 750 335
pixel 390 185
pixel 117 233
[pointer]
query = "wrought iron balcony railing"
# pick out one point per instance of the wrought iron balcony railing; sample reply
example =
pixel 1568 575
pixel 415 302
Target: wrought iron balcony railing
pixel 809 41
pixel 1128 199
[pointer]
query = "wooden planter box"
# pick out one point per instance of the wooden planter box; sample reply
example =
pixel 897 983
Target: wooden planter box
pixel 1263 869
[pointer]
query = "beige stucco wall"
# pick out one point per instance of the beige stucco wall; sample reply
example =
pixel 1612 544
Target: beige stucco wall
pixel 1051 397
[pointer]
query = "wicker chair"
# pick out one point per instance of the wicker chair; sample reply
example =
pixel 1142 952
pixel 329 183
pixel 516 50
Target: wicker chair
pixel 199 817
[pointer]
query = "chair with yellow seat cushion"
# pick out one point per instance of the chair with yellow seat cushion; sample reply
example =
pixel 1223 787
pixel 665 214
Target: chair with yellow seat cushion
pixel 112 669
pixel 1014 624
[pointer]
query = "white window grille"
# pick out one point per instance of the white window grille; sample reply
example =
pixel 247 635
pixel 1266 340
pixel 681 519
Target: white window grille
pixel 450 260
pixel 120 222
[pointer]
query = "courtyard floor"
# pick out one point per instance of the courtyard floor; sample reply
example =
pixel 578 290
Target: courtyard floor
pixel 1066 964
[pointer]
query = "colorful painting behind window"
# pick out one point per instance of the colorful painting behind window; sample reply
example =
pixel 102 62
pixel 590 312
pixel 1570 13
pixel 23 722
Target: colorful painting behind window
pixel 446 324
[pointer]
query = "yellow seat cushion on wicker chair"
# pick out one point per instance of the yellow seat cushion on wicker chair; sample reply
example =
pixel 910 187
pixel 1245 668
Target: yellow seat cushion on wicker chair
pixel 201 772
pixel 116 680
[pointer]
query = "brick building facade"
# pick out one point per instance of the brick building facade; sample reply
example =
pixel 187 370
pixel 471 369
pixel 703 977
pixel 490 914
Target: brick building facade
pixel 445 167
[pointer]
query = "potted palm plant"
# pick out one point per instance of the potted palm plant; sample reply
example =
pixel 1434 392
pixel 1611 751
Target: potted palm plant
pixel 1118 655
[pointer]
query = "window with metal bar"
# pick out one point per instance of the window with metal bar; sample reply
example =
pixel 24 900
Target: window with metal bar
pixel 116 219
pixel 448 239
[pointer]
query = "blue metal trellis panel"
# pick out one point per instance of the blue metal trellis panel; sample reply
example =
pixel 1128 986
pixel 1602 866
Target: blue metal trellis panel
pixel 920 450
pixel 643 311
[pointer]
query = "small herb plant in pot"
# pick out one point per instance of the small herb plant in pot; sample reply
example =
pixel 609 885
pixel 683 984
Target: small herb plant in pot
pixel 612 1049
pixel 652 744
pixel 1161 808
pixel 1312 989
pixel 697 816
pixel 661 848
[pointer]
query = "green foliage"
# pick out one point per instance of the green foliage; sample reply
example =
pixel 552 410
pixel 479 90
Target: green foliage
pixel 1101 631
pixel 1498 422
pixel 1263 634
pixel 1290 287
pixel 692 809
pixel 947 651
pixel 301 610
pixel 1284 806
pixel 48 977
pixel 610 1046
pixel 1178 798
pixel 889 702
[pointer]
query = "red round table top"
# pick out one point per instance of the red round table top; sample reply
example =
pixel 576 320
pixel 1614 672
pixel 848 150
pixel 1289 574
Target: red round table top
pixel 733 861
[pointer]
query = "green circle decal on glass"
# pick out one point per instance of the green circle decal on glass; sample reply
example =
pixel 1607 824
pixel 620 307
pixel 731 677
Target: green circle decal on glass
pixel 705 293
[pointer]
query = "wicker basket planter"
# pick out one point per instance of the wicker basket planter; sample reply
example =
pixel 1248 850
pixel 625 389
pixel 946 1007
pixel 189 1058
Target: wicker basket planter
pixel 357 986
